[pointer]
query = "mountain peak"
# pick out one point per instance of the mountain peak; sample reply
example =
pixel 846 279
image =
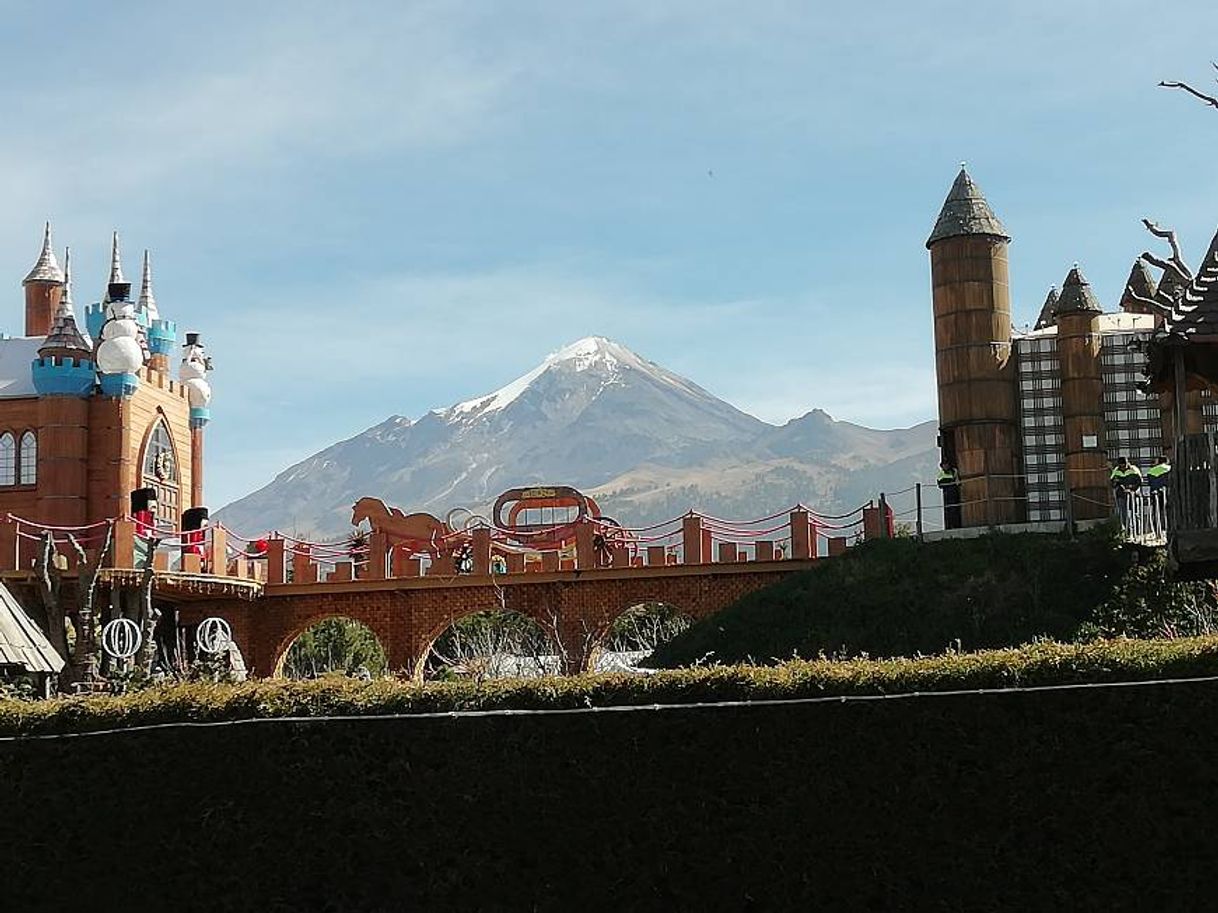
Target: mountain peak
pixel 596 353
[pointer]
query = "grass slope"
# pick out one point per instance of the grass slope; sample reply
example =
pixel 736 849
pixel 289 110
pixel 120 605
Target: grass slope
pixel 901 597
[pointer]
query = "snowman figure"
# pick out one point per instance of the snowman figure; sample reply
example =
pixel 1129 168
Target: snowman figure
pixel 121 349
pixel 193 372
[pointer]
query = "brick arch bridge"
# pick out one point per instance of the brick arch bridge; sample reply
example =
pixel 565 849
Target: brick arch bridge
pixel 576 607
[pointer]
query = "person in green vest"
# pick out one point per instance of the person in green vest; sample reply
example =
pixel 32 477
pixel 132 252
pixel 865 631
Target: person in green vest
pixel 1126 481
pixel 949 485
pixel 1158 477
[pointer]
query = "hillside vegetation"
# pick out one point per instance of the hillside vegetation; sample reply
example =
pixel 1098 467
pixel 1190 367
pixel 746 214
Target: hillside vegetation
pixel 900 597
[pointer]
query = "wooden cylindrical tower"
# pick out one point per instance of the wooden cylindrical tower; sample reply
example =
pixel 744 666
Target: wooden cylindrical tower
pixel 978 392
pixel 1082 386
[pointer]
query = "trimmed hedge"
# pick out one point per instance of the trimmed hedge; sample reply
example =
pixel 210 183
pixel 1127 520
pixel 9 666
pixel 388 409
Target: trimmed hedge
pixel 1044 663
pixel 1080 799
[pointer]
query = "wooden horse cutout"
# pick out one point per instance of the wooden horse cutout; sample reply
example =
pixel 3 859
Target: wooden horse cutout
pixel 419 531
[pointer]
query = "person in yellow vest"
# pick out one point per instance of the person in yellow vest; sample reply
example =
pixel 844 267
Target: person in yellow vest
pixel 1126 481
pixel 1158 477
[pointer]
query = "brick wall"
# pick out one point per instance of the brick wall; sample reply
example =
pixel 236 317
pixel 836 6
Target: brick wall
pixel 577 608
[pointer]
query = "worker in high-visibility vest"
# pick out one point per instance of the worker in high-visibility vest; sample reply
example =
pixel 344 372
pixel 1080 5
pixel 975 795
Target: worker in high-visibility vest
pixel 949 485
pixel 1158 477
pixel 1159 474
pixel 1126 480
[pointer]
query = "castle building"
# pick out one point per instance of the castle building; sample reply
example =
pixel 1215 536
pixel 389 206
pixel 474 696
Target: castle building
pixel 90 413
pixel 1033 420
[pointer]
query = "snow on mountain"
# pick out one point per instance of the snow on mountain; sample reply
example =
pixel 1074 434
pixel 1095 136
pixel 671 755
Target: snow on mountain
pixel 595 415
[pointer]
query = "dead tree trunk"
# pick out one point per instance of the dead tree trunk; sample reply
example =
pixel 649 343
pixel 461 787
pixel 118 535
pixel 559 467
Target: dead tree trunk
pixel 148 614
pixel 85 659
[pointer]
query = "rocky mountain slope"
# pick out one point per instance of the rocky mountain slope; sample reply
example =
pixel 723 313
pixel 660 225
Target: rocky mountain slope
pixel 649 443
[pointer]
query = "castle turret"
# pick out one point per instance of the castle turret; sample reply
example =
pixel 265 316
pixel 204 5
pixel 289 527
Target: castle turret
pixel 162 334
pixel 64 366
pixel 1078 353
pixel 65 377
pixel 43 287
pixel 978 394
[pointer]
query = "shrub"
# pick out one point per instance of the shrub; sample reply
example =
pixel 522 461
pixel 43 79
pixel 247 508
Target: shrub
pixel 1044 663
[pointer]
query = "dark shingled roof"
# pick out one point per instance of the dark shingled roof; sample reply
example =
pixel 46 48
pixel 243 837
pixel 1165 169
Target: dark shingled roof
pixel 1139 283
pixel 1196 314
pixel 1047 311
pixel 1077 295
pixel 965 212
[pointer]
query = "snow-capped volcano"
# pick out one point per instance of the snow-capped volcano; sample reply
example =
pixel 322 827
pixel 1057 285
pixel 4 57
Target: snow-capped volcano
pixel 594 415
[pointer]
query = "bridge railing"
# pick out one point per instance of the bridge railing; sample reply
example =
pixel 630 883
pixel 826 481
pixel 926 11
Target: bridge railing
pixel 693 539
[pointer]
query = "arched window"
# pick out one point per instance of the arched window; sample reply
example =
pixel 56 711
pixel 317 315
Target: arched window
pixel 28 461
pixel 160 471
pixel 8 459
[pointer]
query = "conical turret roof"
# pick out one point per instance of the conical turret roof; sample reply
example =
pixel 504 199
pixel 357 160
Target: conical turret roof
pixel 47 268
pixel 966 212
pixel 65 334
pixel 1140 284
pixel 1047 310
pixel 1077 295
pixel 147 300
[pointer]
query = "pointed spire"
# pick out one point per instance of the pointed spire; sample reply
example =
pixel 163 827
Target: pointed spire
pixel 1077 295
pixel 47 268
pixel 966 212
pixel 1047 311
pixel 65 299
pixel 116 262
pixel 147 300
pixel 118 288
pixel 1140 284
pixel 66 336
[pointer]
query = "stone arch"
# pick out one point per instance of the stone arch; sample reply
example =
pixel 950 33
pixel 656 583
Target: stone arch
pixel 286 642
pixel 659 610
pixel 481 652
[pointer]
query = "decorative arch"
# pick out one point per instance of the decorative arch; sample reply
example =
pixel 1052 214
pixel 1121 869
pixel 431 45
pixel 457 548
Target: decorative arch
pixel 161 469
pixel 280 655
pixel 8 459
pixel 27 459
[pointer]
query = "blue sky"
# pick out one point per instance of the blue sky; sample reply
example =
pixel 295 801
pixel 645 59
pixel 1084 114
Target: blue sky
pixel 374 208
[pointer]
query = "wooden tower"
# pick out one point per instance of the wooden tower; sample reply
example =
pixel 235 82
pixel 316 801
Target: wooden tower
pixel 1078 352
pixel 978 393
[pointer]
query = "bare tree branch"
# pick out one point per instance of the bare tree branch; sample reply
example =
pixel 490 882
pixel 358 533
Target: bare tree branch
pixel 1170 236
pixel 1208 99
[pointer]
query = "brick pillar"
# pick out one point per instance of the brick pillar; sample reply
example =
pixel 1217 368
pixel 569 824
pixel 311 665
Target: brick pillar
pixel 482 550
pixel 691 539
pixel 274 561
pixel 801 534
pixel 585 551
pixel 301 564
pixel 378 551
pixel 123 554
pixel 218 551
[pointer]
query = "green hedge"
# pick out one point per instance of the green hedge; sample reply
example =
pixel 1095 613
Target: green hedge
pixel 1044 663
pixel 898 597
pixel 1077 799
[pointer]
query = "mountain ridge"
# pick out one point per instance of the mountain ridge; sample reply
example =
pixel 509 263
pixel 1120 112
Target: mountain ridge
pixel 596 415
